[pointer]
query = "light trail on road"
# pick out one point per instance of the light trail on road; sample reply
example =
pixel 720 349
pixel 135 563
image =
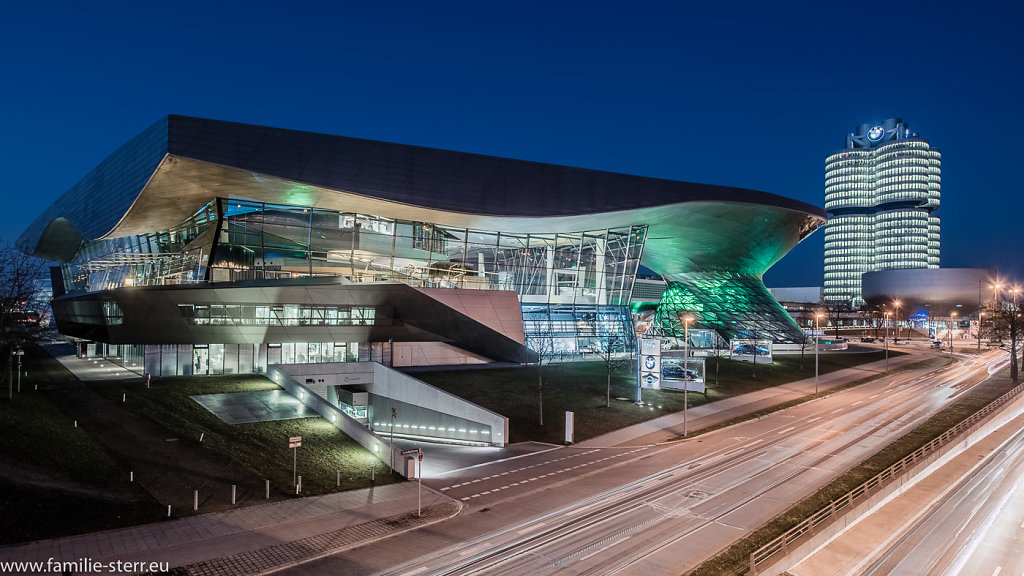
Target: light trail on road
pixel 671 520
pixel 977 529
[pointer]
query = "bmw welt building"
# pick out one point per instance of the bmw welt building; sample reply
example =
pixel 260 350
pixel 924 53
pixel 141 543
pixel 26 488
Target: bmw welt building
pixel 210 247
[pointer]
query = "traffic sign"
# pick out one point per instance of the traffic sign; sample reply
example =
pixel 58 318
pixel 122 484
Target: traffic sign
pixel 295 442
pixel 410 451
pixel 421 455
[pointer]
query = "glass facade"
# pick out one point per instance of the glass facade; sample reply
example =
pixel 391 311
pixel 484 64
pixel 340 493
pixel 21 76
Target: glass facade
pixel 574 287
pixel 733 305
pixel 276 315
pixel 882 197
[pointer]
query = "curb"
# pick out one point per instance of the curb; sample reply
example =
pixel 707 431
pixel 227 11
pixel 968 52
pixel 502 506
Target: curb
pixel 270 559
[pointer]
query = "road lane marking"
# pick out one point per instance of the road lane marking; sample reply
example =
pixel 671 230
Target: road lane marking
pixel 469 551
pixel 997 571
pixel 531 528
pixel 602 549
pixel 786 430
pixel 579 510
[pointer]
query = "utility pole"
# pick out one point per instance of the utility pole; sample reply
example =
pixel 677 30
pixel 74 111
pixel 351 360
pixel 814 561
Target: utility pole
pixel 394 414
pixel 686 366
pixel 817 317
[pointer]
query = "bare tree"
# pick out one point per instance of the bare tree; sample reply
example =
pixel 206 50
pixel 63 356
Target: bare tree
pixel 612 362
pixel 1007 320
pixel 834 310
pixel 543 344
pixel 21 305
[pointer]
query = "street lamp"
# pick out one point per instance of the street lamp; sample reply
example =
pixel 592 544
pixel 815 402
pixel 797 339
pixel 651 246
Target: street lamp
pixel 686 366
pixel 817 317
pixel 980 314
pixel 896 304
pixel 887 314
pixel 995 297
pixel 952 320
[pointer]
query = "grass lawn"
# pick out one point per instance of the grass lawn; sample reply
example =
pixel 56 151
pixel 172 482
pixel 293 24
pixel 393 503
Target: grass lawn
pixel 56 479
pixel 261 447
pixel 735 560
pixel 580 387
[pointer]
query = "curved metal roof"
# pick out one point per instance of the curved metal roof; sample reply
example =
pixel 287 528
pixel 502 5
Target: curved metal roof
pixel 166 173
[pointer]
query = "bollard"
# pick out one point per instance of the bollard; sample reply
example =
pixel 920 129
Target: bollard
pixel 268 489
pixel 76 423
pixel 373 472
pixel 131 476
pixel 201 434
pixel 298 486
pixel 195 500
pixel 168 510
pixel 123 397
pixel 339 477
pixel 233 488
pixel 36 387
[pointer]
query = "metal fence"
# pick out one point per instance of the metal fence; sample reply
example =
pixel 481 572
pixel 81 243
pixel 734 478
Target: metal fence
pixel 809 526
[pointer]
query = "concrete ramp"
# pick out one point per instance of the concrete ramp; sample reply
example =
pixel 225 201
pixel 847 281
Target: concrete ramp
pixel 396 403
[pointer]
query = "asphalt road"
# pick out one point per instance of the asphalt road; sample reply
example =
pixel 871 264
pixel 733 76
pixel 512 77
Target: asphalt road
pixel 660 509
pixel 978 528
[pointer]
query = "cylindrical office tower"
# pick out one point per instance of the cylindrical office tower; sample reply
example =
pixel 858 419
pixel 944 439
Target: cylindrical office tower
pixel 882 193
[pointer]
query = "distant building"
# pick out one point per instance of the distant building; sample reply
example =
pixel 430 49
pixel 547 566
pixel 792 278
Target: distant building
pixel 797 294
pixel 930 293
pixel 800 302
pixel 881 193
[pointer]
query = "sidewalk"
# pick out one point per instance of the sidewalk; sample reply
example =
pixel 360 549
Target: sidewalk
pixel 88 369
pixel 265 538
pixel 256 539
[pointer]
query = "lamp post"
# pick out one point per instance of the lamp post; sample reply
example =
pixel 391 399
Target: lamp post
pixel 686 366
pixel 995 295
pixel 897 303
pixel 887 314
pixel 980 313
pixel 952 320
pixel 816 318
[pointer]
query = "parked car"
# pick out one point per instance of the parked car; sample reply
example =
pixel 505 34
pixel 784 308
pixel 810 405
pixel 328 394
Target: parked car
pixel 937 344
pixel 867 339
pixel 677 372
pixel 750 350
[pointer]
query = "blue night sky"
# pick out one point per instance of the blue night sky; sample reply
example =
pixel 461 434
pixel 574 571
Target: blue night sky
pixel 741 94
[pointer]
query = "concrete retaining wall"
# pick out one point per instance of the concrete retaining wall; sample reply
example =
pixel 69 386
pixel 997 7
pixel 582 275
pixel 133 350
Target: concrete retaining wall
pixel 416 402
pixel 308 395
